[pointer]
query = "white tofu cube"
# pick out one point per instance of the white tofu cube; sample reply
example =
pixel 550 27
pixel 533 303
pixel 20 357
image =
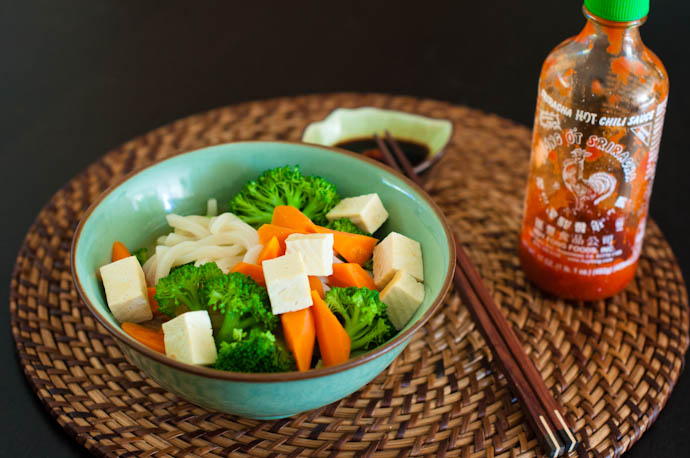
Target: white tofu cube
pixel 316 251
pixel 287 283
pixel 402 296
pixel 366 212
pixel 189 338
pixel 125 290
pixel 397 253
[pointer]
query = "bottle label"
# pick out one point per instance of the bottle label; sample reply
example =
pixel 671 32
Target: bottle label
pixel 591 177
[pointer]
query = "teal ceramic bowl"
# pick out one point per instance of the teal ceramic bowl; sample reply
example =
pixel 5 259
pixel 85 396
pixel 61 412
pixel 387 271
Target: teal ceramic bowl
pixel 134 213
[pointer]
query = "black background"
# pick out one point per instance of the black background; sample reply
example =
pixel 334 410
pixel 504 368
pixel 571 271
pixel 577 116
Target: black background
pixel 79 77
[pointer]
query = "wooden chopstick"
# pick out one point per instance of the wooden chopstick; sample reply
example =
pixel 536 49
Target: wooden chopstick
pixel 544 414
pixel 536 416
pixel 524 362
pixel 504 330
pixel 387 156
pixel 407 167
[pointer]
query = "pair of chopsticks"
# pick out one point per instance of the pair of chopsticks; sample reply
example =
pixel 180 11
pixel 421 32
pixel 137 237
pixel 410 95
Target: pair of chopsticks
pixel 543 413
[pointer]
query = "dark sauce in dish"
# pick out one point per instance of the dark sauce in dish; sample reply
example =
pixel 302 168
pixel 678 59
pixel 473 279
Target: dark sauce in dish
pixel 415 152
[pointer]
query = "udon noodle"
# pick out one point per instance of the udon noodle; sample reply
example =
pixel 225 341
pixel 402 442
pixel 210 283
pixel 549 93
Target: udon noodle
pixel 224 239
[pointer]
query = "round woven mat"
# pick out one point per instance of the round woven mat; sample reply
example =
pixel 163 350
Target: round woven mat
pixel 611 364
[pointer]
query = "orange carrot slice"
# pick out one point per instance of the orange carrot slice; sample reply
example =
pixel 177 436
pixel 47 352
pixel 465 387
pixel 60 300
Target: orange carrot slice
pixel 147 336
pixel 316 285
pixel 334 343
pixel 251 270
pixel 270 250
pixel 120 251
pixel 353 247
pixel 288 216
pixel 300 335
pixel 268 231
pixel 350 274
pixel 153 303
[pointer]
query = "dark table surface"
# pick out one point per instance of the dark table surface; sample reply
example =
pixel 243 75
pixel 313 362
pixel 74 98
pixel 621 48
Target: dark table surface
pixel 79 77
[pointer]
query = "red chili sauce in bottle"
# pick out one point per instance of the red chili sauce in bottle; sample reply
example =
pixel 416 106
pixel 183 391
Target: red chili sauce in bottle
pixel 600 111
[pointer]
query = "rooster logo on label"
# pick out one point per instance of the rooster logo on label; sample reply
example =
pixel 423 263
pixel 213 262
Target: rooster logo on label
pixel 595 188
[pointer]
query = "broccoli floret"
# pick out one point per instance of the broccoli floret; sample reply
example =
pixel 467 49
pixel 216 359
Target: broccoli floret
pixel 141 255
pixel 345 225
pixel 243 304
pixel 364 316
pixel 256 351
pixel 181 288
pixel 313 195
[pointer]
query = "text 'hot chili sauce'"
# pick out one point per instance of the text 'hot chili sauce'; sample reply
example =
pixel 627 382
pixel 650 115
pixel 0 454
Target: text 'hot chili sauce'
pixel 600 111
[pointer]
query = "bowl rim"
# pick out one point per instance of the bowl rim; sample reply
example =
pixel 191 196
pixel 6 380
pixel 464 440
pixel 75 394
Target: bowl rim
pixel 208 372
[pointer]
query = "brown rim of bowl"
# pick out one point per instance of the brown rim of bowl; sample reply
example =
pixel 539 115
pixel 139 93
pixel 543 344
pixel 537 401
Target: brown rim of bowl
pixel 278 376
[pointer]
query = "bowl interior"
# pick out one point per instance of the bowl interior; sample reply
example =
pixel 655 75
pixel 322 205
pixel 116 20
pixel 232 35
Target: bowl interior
pixel 134 211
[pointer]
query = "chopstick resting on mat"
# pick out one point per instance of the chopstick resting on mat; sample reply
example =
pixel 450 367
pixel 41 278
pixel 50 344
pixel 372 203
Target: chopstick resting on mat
pixel 542 411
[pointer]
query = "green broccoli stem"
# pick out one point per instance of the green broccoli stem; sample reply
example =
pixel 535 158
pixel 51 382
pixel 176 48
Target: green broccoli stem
pixel 363 340
pixel 258 219
pixel 293 198
pixel 311 209
pixel 232 321
pixel 192 301
pixel 355 325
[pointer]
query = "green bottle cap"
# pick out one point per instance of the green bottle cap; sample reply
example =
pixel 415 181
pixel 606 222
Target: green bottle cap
pixel 618 10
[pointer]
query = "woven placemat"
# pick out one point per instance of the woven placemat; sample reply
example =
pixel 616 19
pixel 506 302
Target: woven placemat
pixel 611 364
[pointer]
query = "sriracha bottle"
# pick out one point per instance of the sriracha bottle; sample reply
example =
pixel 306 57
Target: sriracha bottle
pixel 600 111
